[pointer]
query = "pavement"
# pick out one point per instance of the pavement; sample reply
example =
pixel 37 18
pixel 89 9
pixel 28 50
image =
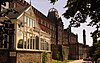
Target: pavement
pixel 76 61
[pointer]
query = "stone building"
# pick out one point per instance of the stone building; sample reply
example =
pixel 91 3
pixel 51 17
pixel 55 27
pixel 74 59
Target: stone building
pixel 27 42
pixel 75 49
pixel 49 30
pixel 54 18
pixel 35 33
pixel 65 44
pixel 56 47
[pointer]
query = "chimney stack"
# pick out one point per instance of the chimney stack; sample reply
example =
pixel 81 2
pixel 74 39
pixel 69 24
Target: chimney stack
pixel 84 36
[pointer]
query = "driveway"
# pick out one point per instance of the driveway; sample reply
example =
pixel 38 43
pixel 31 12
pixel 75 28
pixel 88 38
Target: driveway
pixel 76 61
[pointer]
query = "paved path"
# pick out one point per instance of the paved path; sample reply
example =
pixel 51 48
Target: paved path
pixel 76 61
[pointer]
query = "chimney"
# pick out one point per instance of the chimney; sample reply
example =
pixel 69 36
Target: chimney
pixel 84 37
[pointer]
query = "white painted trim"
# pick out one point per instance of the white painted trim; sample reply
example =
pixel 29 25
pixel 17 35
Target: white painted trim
pixel 32 50
pixel 28 8
pixel 20 15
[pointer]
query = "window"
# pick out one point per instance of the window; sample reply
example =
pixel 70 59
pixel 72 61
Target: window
pixel 20 39
pixel 28 21
pixel 5 40
pixel 24 42
pixel 25 19
pixel 33 43
pixel 47 46
pixel 31 23
pixel 31 40
pixel 11 41
pixel 37 42
pixel 27 41
pixel 44 44
pixel 20 43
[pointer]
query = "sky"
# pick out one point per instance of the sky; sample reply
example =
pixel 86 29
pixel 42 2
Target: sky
pixel 44 6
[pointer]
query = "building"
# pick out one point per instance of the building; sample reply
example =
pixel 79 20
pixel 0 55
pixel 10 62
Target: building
pixel 27 42
pixel 43 26
pixel 81 51
pixel 33 33
pixel 56 46
pixel 65 44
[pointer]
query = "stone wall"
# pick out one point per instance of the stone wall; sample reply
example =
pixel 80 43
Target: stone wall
pixel 65 52
pixel 27 57
pixel 23 57
pixel 49 58
pixel 31 57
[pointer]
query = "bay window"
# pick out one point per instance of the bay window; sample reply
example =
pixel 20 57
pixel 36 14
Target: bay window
pixel 28 40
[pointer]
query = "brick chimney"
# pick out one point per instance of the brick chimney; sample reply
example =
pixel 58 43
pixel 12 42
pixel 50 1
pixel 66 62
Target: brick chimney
pixel 84 36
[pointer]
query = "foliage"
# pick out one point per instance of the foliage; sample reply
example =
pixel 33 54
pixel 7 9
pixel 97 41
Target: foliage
pixel 53 1
pixel 95 50
pixel 63 53
pixel 96 54
pixel 78 10
pixel 44 57
pixel 55 53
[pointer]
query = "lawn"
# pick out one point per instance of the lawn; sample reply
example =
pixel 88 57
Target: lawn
pixel 65 61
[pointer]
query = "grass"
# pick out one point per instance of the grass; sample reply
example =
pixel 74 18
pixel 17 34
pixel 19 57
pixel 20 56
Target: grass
pixel 65 61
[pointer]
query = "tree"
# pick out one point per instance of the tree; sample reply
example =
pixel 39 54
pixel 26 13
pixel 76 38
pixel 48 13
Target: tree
pixel 78 11
pixel 96 53
pixel 53 1
pixel 44 57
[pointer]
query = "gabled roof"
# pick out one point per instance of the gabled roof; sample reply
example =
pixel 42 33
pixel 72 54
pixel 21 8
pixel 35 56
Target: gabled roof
pixel 16 12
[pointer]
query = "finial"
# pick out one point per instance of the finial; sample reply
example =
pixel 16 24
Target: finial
pixel 30 2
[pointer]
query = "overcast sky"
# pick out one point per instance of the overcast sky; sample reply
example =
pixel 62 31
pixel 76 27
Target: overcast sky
pixel 44 5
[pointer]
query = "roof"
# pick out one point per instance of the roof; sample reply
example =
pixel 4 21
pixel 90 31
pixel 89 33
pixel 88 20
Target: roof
pixel 14 12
